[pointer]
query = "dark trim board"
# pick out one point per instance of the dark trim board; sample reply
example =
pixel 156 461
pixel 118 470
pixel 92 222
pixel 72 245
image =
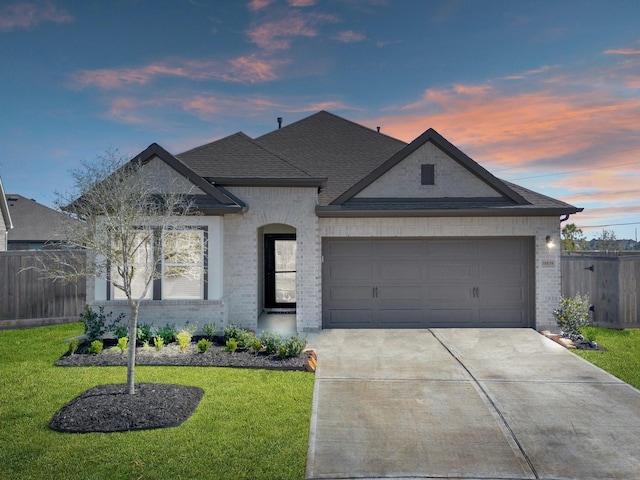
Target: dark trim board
pixel 428 282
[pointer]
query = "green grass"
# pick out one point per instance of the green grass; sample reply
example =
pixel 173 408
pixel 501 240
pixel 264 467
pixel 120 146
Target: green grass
pixel 622 357
pixel 250 424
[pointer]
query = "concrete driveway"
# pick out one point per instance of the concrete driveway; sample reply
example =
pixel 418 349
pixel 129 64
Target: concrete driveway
pixel 469 404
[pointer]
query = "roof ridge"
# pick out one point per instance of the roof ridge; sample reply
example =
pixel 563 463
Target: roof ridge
pixel 338 117
pixel 259 145
pixel 200 147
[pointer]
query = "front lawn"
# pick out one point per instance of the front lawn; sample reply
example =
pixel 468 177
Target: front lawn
pixel 250 424
pixel 622 357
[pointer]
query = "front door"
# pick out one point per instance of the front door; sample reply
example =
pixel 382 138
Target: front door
pixel 280 270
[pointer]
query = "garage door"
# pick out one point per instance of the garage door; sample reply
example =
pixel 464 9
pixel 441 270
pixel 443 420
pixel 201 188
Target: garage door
pixel 424 283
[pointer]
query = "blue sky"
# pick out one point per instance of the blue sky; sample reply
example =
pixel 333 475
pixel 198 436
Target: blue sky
pixel 545 94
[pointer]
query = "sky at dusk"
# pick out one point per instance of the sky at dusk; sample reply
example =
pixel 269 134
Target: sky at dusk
pixel 545 94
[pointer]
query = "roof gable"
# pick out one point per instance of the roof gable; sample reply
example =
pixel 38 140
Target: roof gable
pixel 208 198
pixel 456 175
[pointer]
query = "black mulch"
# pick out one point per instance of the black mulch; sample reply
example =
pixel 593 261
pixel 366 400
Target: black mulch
pixel 109 408
pixel 171 355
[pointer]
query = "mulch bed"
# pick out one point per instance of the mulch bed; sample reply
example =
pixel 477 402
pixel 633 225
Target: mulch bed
pixel 109 408
pixel 171 355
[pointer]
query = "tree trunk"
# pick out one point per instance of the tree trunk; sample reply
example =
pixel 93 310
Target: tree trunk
pixel 131 353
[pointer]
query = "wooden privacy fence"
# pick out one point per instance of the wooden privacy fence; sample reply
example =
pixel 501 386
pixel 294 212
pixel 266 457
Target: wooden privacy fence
pixel 27 299
pixel 612 283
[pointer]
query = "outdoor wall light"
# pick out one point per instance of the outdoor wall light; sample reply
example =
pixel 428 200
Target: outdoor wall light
pixel 549 241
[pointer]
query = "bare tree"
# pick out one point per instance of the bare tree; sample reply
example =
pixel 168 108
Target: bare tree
pixel 125 212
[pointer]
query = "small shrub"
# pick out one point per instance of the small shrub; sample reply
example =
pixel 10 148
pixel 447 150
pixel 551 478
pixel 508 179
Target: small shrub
pixel 190 328
pixel 271 341
pixel 240 335
pixel 209 330
pixel 572 314
pixel 184 339
pixel 119 329
pixel 282 351
pixel 590 333
pixel 144 333
pixel 295 345
pixel 231 345
pixel 96 323
pixel 167 333
pixel 95 347
pixel 158 342
pixel 204 345
pixel 256 345
pixel 73 345
pixel 123 343
pixel 145 346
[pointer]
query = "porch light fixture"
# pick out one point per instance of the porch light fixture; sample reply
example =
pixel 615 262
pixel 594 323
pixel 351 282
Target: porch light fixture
pixel 549 240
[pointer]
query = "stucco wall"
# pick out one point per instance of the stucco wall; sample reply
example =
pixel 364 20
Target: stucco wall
pixel 294 207
pixel 547 260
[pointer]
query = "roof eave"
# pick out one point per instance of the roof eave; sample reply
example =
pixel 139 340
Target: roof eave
pixel 336 211
pixel 218 211
pixel 267 182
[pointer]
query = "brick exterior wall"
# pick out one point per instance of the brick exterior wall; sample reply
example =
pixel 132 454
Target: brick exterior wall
pixel 451 178
pixel 294 207
pixel 547 260
pixel 238 238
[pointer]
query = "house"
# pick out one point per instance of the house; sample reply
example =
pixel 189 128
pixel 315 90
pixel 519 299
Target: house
pixel 5 219
pixel 350 228
pixel 34 225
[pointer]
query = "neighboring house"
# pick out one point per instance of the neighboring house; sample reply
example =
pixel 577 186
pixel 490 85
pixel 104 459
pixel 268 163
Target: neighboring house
pixel 34 224
pixel 354 229
pixel 5 219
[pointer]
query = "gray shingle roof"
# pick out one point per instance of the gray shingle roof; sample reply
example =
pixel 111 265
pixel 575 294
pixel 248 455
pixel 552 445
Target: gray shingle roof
pixel 349 156
pixel 32 221
pixel 325 145
pixel 239 157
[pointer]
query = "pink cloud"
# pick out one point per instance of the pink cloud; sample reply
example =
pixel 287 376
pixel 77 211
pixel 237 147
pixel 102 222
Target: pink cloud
pixel 528 73
pixel 623 51
pixel 255 5
pixel 516 128
pixel 349 36
pixel 249 69
pixel 253 69
pixel 28 15
pixel 277 35
pixel 302 3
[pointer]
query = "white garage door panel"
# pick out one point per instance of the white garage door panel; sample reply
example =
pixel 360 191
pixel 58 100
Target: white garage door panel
pixel 420 282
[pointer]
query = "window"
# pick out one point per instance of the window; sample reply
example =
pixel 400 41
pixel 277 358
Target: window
pixel 140 263
pixel 179 274
pixel 182 269
pixel 428 174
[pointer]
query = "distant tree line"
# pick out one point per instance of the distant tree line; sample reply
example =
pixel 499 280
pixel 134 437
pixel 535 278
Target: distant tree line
pixel 574 240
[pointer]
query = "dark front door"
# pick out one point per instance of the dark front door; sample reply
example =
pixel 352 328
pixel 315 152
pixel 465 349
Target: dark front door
pixel 280 270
